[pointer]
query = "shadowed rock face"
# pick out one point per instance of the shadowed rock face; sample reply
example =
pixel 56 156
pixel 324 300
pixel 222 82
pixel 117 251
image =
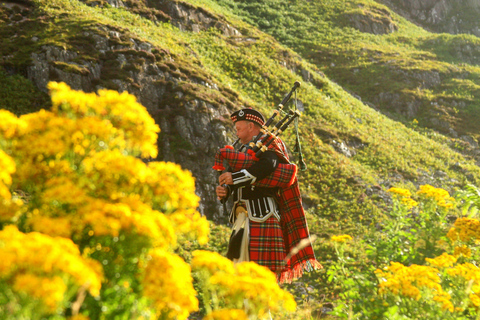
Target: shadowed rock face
pixel 191 128
pixel 450 16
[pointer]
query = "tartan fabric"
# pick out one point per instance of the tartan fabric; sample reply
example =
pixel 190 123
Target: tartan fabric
pixel 293 222
pixel 282 177
pixel 266 244
pixel 295 228
pixel 294 225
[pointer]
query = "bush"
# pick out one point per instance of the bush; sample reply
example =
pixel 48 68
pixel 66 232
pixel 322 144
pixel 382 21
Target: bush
pixel 91 231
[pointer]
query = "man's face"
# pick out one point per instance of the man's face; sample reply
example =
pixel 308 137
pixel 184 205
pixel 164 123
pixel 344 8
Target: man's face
pixel 244 130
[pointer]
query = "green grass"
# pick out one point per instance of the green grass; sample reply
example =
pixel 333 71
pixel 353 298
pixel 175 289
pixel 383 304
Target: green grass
pixel 369 64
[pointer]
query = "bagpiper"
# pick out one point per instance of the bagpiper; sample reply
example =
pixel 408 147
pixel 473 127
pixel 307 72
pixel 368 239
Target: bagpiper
pixel 267 214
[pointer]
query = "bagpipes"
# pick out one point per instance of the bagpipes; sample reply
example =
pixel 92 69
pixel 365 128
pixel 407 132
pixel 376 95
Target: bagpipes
pixel 285 174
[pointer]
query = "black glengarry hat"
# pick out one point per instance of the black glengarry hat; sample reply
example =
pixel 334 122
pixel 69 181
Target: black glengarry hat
pixel 248 114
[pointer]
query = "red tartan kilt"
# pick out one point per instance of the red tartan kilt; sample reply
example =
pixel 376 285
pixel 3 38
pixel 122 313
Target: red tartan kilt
pixel 266 246
pixel 283 176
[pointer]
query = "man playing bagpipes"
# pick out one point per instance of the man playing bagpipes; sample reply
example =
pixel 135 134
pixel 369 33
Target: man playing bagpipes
pixel 269 225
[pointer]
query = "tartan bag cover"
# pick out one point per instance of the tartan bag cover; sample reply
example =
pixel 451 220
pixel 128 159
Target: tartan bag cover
pixel 293 221
pixel 282 177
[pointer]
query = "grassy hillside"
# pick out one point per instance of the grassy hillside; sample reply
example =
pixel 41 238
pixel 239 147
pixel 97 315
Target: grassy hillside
pixel 260 71
pixel 436 72
pixel 279 41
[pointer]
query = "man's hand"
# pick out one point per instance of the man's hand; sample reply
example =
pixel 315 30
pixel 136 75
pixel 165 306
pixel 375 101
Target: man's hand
pixel 221 192
pixel 225 178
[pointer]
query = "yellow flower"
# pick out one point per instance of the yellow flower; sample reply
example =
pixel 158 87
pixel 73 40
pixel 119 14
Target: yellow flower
pixel 79 317
pixel 50 290
pixel 468 271
pixel 257 284
pixel 168 283
pixel 443 261
pixel 464 229
pixel 106 218
pixel 440 195
pixel 341 238
pixel 212 262
pixel 463 250
pixel 10 208
pixel 58 226
pixel 162 176
pixel 444 299
pixel 191 223
pixel 475 299
pixel 7 168
pixel 409 202
pixel 401 192
pixel 37 263
pixel 120 109
pixel 10 125
pixel 404 195
pixel 407 281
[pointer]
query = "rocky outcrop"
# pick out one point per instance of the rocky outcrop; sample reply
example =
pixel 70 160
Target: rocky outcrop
pixel 186 17
pixel 192 127
pixel 450 16
pixel 372 20
pixel 181 14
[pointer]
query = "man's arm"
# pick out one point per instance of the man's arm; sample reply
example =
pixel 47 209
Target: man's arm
pixel 267 163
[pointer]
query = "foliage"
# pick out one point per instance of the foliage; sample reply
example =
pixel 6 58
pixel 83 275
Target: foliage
pixel 228 286
pixel 20 96
pixel 425 275
pixel 90 230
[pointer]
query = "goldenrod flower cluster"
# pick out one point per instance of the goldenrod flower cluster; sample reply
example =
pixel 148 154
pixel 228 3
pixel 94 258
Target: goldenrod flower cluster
pixel 9 206
pixel 168 282
pixel 401 192
pixel 77 157
pixel 409 281
pixel 39 265
pixel 418 282
pixel 462 251
pixel 442 261
pixel 341 238
pixel 10 125
pixel 441 196
pixel 243 281
pixel 77 169
pixel 404 195
pixel 79 317
pixel 125 115
pixel 465 229
pixel 470 274
pixel 8 167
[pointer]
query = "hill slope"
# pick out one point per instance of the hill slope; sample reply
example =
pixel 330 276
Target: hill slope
pixel 192 63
